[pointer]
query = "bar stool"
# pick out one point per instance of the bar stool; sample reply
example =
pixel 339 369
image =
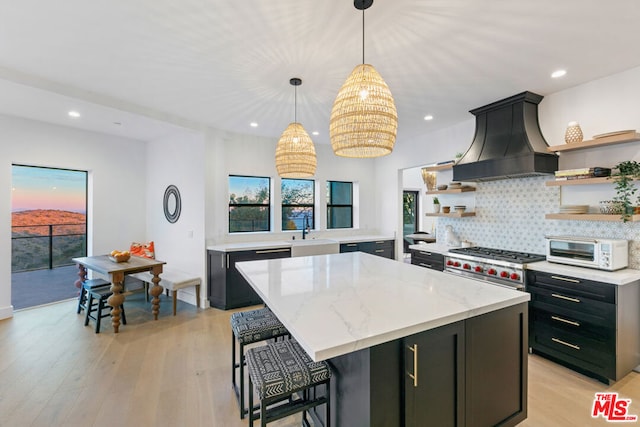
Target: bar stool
pixel 280 370
pixel 97 303
pixel 88 285
pixel 250 327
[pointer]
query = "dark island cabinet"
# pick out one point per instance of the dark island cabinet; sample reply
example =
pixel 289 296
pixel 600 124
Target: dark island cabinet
pixel 383 248
pixel 591 327
pixel 226 287
pixel 470 373
pixel 432 260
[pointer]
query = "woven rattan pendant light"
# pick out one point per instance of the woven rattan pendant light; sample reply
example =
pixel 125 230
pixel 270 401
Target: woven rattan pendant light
pixel 363 120
pixel 295 153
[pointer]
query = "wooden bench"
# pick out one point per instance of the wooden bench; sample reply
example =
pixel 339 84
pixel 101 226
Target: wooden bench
pixel 172 280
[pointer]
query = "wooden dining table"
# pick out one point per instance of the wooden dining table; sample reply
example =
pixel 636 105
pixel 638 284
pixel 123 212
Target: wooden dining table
pixel 116 271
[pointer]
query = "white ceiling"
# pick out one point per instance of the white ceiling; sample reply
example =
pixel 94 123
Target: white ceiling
pixel 224 63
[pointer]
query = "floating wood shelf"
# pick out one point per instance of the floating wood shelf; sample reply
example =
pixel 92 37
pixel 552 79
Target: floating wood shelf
pixel 592 217
pixel 608 140
pixel 452 191
pixel 581 181
pixel 436 168
pixel 452 214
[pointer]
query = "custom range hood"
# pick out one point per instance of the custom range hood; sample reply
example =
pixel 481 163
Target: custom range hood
pixel 508 142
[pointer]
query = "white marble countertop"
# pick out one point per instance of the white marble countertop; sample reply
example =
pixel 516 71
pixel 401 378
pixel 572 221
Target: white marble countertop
pixel 619 277
pixel 439 248
pixel 337 304
pixel 248 246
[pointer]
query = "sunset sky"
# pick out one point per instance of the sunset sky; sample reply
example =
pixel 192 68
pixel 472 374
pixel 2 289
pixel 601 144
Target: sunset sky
pixel 43 188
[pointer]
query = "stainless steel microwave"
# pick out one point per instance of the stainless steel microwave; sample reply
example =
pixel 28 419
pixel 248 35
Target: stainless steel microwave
pixel 603 254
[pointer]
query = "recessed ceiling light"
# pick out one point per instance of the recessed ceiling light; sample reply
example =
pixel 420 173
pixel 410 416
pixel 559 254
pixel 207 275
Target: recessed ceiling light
pixel 74 114
pixel 253 124
pixel 117 123
pixel 558 73
pixel 315 133
pixel 428 117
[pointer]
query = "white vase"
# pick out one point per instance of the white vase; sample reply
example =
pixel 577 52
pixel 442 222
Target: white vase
pixel 436 208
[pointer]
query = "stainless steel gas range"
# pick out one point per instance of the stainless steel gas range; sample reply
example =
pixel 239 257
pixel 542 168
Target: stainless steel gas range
pixel 493 265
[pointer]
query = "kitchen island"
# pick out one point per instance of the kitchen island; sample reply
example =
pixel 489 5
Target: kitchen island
pixel 408 345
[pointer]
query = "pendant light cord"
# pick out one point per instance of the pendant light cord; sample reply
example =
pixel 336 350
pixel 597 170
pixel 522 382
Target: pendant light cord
pixel 295 104
pixel 362 36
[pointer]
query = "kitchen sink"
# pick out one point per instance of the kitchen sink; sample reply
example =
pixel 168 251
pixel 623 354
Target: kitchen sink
pixel 314 247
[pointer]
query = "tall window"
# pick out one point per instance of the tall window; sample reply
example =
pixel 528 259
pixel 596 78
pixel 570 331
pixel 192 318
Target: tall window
pixel 48 217
pixel 409 212
pixel 339 204
pixel 298 197
pixel 249 198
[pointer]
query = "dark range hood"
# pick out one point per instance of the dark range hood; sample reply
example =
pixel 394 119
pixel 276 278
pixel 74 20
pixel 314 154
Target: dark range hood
pixel 508 142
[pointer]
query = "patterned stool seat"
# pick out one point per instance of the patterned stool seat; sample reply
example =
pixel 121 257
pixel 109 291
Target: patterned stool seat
pixel 250 327
pixel 256 325
pixel 280 369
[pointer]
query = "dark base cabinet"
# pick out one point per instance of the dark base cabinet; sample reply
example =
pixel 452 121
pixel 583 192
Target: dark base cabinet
pixel 432 260
pixel 226 287
pixel 468 373
pixel 591 327
pixel 383 248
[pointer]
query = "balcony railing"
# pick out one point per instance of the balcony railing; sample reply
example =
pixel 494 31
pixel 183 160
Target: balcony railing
pixel 35 247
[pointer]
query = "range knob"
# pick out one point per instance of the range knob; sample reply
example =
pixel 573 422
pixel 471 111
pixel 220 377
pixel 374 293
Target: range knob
pixel 514 276
pixel 456 264
pixel 466 266
pixel 449 262
pixel 492 271
pixel 504 274
pixel 478 269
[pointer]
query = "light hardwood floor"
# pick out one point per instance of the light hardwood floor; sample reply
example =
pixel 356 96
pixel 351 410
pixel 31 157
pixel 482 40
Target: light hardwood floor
pixel 175 372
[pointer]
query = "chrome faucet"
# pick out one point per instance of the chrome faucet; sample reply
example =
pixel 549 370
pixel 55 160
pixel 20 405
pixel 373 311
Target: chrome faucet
pixel 306 229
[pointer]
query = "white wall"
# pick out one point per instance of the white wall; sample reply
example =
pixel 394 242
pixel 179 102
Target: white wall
pixel 235 154
pixel 178 160
pixel 117 171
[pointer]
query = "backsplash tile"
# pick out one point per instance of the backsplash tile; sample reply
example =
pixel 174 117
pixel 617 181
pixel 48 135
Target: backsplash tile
pixel 510 215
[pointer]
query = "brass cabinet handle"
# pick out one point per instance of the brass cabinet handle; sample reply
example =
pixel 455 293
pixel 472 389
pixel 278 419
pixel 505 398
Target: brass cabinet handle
pixel 380 242
pixel 426 265
pixel 566 279
pixel 352 244
pixel 414 376
pixel 227 261
pixel 570 322
pixel 565 298
pixel 379 250
pixel 425 253
pixel 272 251
pixel 559 341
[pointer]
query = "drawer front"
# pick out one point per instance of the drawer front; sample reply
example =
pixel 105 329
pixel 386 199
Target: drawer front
pixel 570 304
pixel 348 247
pixel 427 259
pixel 574 324
pixel 573 287
pixel 591 355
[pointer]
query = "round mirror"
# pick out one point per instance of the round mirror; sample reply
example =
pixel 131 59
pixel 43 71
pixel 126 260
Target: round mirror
pixel 172 203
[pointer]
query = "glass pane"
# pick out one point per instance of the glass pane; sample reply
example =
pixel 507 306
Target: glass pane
pixel 297 218
pixel 297 192
pixel 339 193
pixel 248 218
pixel 409 212
pixel 248 190
pixel 339 217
